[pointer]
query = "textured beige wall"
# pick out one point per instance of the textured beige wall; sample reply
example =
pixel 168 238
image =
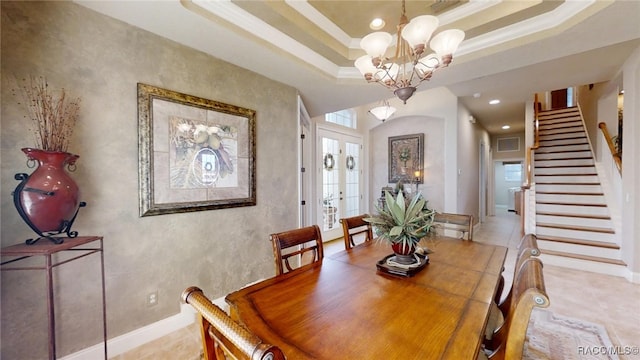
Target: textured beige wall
pixel 101 60
pixel 470 136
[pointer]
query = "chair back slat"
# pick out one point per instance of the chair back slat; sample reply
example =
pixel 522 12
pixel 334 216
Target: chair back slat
pixel 222 337
pixel 297 244
pixel 456 222
pixel 354 226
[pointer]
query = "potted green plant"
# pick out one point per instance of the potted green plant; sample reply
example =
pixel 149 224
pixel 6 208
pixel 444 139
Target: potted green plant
pixel 402 223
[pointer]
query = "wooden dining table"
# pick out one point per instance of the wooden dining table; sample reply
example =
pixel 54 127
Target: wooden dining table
pixel 344 308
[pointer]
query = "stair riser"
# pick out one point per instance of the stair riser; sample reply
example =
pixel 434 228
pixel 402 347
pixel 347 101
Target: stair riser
pixel 584 265
pixel 571 209
pixel 562 155
pixel 580 134
pixel 561 128
pixel 571 199
pixel 583 189
pixel 580 249
pixel 558 113
pixel 573 221
pixel 563 162
pixel 563 145
pixel 562 170
pixel 566 179
pixel 567 129
pixel 558 122
pixel 576 234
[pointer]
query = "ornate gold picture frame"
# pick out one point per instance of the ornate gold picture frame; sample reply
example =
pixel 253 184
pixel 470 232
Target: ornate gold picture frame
pixel 406 158
pixel 194 154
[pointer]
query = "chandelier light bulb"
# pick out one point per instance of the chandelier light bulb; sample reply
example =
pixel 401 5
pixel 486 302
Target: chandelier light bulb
pixel 446 43
pixel 376 44
pixel 389 73
pixel 419 30
pixel 365 65
pixel 427 64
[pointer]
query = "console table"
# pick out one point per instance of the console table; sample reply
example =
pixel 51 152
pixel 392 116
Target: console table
pixel 84 245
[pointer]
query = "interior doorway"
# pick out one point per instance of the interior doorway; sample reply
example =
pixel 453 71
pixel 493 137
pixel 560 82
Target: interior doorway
pixel 559 99
pixel 305 157
pixel 508 180
pixel 340 185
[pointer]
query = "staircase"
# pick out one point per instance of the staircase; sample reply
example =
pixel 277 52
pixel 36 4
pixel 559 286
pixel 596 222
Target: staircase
pixel 573 225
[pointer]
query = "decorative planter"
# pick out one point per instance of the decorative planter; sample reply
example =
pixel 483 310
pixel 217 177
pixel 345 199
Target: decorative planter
pixel 48 199
pixel 404 253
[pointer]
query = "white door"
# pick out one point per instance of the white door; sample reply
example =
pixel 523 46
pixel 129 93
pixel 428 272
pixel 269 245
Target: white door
pixel 340 186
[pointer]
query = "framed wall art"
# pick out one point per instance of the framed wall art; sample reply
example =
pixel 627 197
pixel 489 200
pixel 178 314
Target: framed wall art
pixel 194 154
pixel 406 158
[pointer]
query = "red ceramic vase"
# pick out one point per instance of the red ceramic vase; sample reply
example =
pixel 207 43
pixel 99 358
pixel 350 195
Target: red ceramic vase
pixel 403 249
pixel 49 199
pixel 404 253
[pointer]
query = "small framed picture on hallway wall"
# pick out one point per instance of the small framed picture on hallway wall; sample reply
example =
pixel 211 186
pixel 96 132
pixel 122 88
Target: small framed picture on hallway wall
pixel 406 154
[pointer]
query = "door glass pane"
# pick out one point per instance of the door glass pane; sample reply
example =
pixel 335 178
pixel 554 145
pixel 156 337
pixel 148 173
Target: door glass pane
pixel 352 181
pixel 330 182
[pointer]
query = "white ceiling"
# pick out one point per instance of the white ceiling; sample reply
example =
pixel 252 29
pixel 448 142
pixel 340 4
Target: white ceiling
pixel 512 50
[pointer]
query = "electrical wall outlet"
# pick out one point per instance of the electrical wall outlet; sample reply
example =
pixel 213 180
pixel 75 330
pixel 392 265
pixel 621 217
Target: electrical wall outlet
pixel 152 298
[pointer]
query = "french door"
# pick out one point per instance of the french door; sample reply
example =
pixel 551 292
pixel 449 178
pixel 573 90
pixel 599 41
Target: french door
pixel 340 189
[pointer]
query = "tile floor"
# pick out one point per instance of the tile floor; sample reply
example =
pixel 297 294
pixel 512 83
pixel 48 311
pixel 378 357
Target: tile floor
pixel 610 301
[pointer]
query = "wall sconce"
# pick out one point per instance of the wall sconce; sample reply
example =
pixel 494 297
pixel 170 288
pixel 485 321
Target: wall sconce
pixel 416 176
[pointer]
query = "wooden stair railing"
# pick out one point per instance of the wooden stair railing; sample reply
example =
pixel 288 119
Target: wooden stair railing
pixel 528 163
pixel 612 148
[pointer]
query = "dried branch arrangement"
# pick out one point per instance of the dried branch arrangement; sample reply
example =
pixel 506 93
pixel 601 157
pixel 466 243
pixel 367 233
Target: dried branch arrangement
pixel 53 114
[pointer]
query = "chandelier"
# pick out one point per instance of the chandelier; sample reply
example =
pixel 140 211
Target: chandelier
pixel 410 66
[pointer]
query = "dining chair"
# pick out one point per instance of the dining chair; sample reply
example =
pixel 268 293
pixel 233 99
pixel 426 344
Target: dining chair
pixel 303 244
pixel 528 292
pixel 355 226
pixel 454 222
pixel 222 337
pixel 527 248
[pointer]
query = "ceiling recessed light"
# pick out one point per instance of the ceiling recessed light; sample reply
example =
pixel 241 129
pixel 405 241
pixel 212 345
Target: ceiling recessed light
pixel 476 95
pixel 505 127
pixel 376 24
pixel 494 101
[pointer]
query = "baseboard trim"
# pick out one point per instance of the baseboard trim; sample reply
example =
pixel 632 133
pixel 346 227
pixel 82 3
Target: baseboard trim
pixel 123 343
pixel 633 277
